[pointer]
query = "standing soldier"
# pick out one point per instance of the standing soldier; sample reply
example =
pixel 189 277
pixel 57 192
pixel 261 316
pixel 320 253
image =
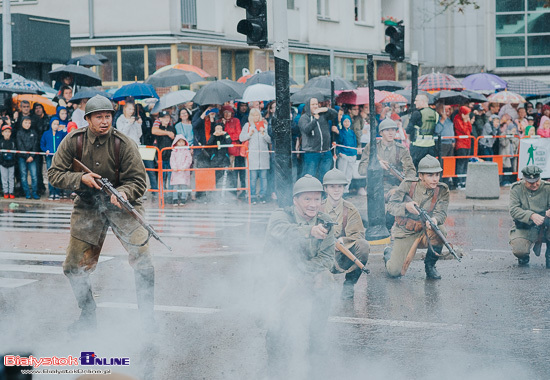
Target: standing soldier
pixel 389 153
pixel 530 209
pixel 349 231
pixel 114 156
pixel 409 232
pixel 301 253
pixel 421 129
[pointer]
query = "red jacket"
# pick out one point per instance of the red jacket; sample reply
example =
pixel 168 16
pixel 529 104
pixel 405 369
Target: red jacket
pixel 462 128
pixel 233 129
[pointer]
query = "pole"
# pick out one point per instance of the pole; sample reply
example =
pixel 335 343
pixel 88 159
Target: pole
pixel 376 210
pixel 414 85
pixel 332 78
pixel 281 124
pixel 7 60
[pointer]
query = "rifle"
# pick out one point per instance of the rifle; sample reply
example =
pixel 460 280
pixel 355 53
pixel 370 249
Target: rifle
pixel 108 188
pixel 395 172
pixel 540 237
pixel 345 251
pixel 426 218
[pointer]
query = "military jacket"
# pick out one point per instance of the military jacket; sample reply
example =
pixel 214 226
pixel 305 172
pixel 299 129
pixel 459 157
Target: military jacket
pixel 288 238
pixel 397 155
pixel 423 196
pixel 354 224
pixel 92 209
pixel 524 203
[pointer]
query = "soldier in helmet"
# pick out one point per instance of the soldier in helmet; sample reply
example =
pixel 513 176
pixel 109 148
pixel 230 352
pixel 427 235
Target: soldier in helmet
pixel 530 209
pixel 349 231
pixel 389 152
pixel 409 232
pixel 301 254
pixel 112 155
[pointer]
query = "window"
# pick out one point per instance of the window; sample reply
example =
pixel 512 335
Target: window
pixel 343 67
pixel 189 14
pixel 133 67
pixel 318 65
pixel 205 57
pixel 290 4
pixel 522 33
pixel 260 60
pixel 158 56
pixel 183 53
pixel 242 61
pixel 360 11
pixel 298 67
pixel 323 8
pixel 227 65
pixel 361 70
pixel 108 72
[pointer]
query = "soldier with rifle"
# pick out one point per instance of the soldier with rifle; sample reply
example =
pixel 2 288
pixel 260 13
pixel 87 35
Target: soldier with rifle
pixel 420 209
pixel 390 154
pixel 114 159
pixel 530 209
pixel 349 231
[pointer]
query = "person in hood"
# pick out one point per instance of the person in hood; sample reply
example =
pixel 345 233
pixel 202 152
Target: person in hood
pixel 27 141
pixel 463 127
pixel 219 156
pixel 7 162
pixel 237 159
pixel 49 143
pixel 315 128
pixel 63 117
pixel 180 162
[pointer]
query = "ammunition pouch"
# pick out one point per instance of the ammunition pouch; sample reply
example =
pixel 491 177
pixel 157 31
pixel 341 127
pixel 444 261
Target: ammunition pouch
pixel 409 224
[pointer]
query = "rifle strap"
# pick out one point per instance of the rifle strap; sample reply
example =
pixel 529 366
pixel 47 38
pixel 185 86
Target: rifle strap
pixel 434 197
pixel 344 221
pixel 79 148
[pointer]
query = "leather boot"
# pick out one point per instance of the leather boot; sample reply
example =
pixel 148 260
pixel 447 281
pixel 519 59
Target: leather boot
pixel 429 264
pixel 348 291
pixel 387 254
pixel 82 290
pixel 523 261
pixel 145 292
pixel 547 255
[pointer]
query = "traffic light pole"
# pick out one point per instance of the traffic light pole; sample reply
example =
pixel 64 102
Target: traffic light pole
pixel 414 84
pixel 376 211
pixel 281 130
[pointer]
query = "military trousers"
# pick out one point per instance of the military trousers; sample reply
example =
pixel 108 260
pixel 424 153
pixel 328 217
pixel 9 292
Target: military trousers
pixel 361 250
pixel 522 240
pixel 402 246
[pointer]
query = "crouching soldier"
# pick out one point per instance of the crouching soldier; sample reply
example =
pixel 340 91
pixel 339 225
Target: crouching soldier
pixel 409 232
pixel 530 209
pixel 349 231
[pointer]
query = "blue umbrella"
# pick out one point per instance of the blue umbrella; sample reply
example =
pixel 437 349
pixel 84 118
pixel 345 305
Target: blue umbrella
pixel 135 90
pixel 484 82
pixel 20 86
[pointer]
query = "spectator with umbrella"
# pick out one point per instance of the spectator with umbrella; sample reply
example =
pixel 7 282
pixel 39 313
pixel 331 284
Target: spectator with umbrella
pixel 232 126
pixel 508 147
pixel 78 114
pixel 486 144
pixel 203 126
pixel 148 139
pixel 463 127
pixel 164 133
pixel 357 123
pixel 184 126
pixel 40 123
pixel 49 143
pixel 242 112
pixel 27 140
pixel 128 124
pixel 24 111
pixel 445 128
pixel 521 121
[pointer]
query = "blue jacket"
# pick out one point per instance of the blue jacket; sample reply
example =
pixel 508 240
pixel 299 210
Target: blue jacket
pixel 347 137
pixel 49 142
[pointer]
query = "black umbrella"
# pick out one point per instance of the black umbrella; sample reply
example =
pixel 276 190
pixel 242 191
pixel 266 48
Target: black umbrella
pixel 85 60
pixel 266 77
pixel 219 92
pixel 388 85
pixel 88 94
pixel 340 84
pixel 173 77
pixel 451 97
pixel 305 94
pixel 407 95
pixel 475 96
pixel 82 75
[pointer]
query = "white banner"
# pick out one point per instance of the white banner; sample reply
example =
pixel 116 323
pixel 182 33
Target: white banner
pixel 535 151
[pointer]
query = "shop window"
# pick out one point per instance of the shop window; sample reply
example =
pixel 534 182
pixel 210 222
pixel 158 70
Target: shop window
pixel 132 63
pixel 206 58
pixel 108 72
pixel 158 56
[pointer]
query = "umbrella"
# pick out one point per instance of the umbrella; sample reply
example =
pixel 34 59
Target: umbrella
pixel 244 78
pixel 218 92
pixel 266 77
pixel 451 97
pixel 407 94
pixel 340 84
pixel 82 75
pixel 258 92
pixel 88 94
pixel 49 107
pixel 12 76
pixel 484 82
pixel 392 97
pixel 135 90
pixel 475 96
pixel 506 97
pixel 85 60
pixel 184 67
pixel 20 86
pixel 173 99
pixel 305 94
pixel 529 87
pixel 359 96
pixel 388 85
pixel 438 82
pixel 173 77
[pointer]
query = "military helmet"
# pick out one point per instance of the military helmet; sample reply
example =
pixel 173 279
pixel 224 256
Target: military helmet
pixel 531 173
pixel 335 177
pixel 98 103
pixel 307 183
pixel 429 164
pixel 387 124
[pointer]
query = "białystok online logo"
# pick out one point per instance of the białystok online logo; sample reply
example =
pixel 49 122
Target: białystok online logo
pixel 86 358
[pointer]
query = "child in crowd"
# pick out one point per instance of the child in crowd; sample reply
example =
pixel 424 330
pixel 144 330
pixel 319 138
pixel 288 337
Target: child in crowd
pixel 49 143
pixel 27 140
pixel 7 162
pixel 63 117
pixel 219 157
pixel 544 127
pixel 180 161
pixel 71 126
pixel 346 156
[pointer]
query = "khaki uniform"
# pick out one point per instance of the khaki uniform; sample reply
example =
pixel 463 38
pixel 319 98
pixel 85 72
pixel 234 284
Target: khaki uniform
pixel 404 235
pixel 523 204
pixel 353 236
pixel 299 267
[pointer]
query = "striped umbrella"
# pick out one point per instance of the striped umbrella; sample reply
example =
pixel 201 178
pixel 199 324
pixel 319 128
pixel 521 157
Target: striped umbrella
pixel 358 96
pixel 529 87
pixel 184 67
pixel 438 81
pixel 392 97
pixel 505 97
pixel 20 86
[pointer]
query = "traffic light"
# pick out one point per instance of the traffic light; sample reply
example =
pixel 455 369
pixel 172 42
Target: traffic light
pixel 396 47
pixel 255 25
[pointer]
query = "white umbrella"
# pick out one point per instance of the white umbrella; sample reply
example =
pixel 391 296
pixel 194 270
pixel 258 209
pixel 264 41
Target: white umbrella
pixel 258 92
pixel 173 99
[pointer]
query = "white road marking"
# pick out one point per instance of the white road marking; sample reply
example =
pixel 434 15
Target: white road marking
pixel 39 257
pixel 31 269
pixel 491 250
pixel 394 323
pixel 14 282
pixel 174 309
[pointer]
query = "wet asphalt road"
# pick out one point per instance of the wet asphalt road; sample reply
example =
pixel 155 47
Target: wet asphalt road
pixel 486 319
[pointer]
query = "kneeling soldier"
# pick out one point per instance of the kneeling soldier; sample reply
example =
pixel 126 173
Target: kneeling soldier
pixel 530 209
pixel 409 232
pixel 349 231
